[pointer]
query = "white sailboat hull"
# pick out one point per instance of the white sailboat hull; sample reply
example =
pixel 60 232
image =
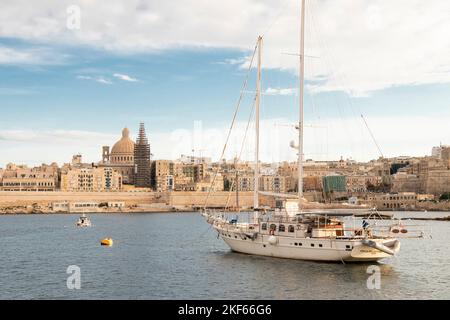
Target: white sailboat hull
pixel 313 249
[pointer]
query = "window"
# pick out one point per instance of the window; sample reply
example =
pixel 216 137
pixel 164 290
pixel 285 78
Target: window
pixel 281 228
pixel 291 228
pixel 273 227
pixel 264 226
pixel 320 245
pixel 312 244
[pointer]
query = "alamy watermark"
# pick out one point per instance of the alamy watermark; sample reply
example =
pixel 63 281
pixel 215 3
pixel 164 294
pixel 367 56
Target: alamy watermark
pixel 73 21
pixel 74 280
pixel 374 280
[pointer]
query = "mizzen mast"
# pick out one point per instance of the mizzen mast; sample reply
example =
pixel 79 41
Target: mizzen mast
pixel 301 105
pixel 257 108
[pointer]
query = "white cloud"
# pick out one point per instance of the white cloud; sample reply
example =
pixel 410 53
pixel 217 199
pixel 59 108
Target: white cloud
pixel 327 140
pixel 103 80
pixel 98 79
pixel 125 77
pixel 280 91
pixel 363 45
pixel 30 56
pixel 84 77
pixel 45 146
pixel 64 136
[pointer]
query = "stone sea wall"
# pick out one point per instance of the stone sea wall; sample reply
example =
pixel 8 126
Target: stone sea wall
pixel 41 202
pixel 29 202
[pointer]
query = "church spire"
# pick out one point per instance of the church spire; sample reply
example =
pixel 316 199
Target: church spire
pixel 142 159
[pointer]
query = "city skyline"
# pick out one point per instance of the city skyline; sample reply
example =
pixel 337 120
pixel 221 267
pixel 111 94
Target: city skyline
pixel 71 91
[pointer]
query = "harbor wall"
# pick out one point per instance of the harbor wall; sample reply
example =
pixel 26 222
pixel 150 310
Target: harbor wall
pixel 156 201
pixel 146 200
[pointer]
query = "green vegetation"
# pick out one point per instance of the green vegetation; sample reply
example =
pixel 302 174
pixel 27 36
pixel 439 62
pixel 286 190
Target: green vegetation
pixel 445 196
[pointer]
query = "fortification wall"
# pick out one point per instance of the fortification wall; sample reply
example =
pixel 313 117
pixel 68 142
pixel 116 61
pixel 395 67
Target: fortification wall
pixel 174 199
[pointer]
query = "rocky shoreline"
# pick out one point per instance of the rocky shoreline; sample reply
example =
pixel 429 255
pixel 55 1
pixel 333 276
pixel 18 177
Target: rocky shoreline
pixel 30 210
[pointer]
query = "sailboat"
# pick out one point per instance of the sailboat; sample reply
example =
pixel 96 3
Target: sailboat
pixel 293 232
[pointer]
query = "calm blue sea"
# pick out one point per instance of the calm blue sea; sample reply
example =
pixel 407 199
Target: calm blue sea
pixel 178 256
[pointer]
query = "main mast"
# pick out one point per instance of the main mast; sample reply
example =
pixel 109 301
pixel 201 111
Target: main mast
pixel 301 116
pixel 257 107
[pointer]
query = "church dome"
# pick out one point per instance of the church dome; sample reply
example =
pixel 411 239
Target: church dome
pixel 123 150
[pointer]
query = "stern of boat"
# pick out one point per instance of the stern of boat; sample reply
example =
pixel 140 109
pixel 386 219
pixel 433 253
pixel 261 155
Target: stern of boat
pixel 375 249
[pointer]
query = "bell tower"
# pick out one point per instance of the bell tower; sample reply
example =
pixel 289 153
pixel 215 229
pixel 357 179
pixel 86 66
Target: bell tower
pixel 105 154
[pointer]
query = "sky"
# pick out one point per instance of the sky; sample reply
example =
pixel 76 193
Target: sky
pixel 74 73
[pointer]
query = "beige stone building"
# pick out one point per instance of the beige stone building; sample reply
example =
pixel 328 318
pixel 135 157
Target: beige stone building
pixel 163 175
pixel 437 182
pixel 180 176
pixel 359 183
pixel 96 179
pixel 404 182
pixel 195 172
pixel 312 183
pixel 245 182
pixel 207 185
pixel 273 183
pixel 427 175
pixel 395 201
pixel 22 178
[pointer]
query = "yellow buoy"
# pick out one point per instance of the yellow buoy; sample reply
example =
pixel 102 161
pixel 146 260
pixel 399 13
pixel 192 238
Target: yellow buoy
pixel 107 242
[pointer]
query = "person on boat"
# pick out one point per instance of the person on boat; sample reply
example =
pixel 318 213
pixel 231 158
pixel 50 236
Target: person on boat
pixel 365 224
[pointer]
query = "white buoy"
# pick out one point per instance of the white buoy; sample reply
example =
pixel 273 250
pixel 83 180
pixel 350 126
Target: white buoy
pixel 272 240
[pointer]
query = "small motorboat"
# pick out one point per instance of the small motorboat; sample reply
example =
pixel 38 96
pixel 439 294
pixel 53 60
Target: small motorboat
pixel 84 221
pixel 107 242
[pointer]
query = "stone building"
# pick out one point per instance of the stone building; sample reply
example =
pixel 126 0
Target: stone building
pixel 312 183
pixel 404 182
pixel 208 185
pixel 394 201
pixel 436 182
pixel 121 157
pixel 162 175
pixel 95 179
pixel 273 183
pixel 245 182
pixel 195 172
pixel 359 183
pixel 22 178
